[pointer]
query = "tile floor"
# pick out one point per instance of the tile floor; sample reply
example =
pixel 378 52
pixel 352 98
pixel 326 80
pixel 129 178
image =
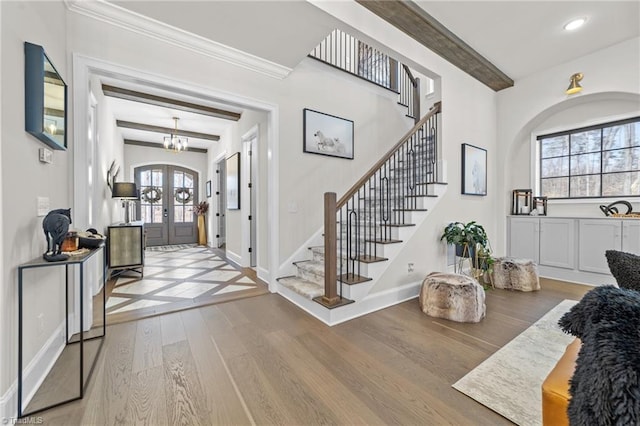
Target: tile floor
pixel 179 278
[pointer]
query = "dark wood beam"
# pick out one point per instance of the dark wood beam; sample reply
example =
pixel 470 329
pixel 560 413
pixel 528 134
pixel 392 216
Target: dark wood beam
pixel 169 130
pixel 411 19
pixel 158 145
pixel 131 95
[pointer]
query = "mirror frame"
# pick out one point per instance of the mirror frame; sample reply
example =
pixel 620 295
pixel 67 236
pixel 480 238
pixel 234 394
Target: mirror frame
pixel 34 82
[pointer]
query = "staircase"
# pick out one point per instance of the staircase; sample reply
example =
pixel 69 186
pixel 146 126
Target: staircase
pixel 364 231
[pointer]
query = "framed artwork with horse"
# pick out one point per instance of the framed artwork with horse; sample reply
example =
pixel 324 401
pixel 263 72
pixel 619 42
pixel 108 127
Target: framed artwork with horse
pixel 326 134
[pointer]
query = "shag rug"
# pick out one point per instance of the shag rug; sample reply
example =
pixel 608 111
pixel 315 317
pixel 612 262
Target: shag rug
pixel 509 382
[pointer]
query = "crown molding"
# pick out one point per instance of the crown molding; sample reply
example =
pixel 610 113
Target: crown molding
pixel 135 22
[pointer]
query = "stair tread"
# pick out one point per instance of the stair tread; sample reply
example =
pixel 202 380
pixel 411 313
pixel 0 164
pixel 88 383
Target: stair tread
pixel 351 279
pixel 379 241
pixel 305 288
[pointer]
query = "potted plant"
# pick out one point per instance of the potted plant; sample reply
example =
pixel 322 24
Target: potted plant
pixel 201 209
pixel 466 237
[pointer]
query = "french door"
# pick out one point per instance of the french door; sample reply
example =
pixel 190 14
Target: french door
pixel 167 196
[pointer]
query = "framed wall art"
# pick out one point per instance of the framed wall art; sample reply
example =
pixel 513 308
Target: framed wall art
pixel 208 188
pixel 326 134
pixel 474 170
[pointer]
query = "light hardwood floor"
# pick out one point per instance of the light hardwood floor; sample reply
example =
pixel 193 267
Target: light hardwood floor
pixel 264 361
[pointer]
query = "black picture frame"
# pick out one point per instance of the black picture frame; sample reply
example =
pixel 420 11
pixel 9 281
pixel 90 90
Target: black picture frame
pixel 45 98
pixel 326 134
pixel 208 188
pixel 474 170
pixel 233 182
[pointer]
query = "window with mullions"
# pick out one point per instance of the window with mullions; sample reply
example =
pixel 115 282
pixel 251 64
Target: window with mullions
pixel 596 161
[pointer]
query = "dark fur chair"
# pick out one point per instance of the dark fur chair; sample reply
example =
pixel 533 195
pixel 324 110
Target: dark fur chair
pixel 625 268
pixel 605 387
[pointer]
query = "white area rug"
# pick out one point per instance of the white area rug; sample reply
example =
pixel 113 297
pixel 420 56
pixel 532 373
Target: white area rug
pixel 509 382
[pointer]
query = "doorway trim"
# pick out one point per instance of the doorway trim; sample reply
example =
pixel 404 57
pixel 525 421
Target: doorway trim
pixel 85 67
pixel 251 237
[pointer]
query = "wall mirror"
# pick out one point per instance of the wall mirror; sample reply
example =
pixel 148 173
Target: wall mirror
pixel 45 98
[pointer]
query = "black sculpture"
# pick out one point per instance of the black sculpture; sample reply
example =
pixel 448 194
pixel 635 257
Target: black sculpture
pixel 612 209
pixel 55 226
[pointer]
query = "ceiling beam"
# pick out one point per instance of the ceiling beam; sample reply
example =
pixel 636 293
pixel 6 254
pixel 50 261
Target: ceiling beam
pixel 411 19
pixel 157 145
pixel 160 129
pixel 131 95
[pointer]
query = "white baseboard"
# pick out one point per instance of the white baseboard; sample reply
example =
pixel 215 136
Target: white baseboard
pixel 233 257
pixel 34 374
pixel 263 274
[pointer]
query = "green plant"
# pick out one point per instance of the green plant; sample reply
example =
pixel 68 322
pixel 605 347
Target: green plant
pixel 471 234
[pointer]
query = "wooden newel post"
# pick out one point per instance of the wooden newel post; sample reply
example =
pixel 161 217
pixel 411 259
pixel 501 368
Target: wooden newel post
pixel 330 250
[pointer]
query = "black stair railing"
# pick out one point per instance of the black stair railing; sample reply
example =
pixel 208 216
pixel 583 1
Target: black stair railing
pixel 345 52
pixel 363 218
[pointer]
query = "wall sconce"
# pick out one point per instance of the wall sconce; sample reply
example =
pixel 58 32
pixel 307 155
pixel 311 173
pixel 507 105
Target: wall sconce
pixel 574 85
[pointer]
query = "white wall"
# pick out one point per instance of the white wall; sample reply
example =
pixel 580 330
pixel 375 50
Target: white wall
pixel 537 103
pixel 23 179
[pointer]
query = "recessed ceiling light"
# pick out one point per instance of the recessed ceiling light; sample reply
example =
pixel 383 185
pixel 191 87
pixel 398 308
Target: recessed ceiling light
pixel 574 24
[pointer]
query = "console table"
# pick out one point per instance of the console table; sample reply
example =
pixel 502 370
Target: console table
pixel 79 338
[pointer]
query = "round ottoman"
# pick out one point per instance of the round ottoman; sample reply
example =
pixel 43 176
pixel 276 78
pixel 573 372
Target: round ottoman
pixel 452 296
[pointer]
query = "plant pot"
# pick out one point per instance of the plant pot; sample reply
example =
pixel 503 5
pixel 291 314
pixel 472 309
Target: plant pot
pixel 461 252
pixel 202 231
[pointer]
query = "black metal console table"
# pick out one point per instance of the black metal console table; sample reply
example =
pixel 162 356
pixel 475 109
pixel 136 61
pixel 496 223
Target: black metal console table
pixel 69 340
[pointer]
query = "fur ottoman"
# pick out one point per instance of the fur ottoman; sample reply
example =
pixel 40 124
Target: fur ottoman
pixel 515 274
pixel 452 296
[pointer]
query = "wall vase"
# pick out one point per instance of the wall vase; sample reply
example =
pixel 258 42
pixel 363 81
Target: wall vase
pixel 202 231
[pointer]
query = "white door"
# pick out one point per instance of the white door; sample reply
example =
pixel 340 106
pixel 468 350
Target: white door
pixel 524 240
pixel 631 236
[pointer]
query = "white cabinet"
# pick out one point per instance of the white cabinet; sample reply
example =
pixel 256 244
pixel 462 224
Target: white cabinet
pixel 557 242
pixel 523 237
pixel 631 236
pixel 597 236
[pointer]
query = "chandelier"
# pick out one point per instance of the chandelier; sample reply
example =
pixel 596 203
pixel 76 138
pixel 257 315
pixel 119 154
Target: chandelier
pixel 174 142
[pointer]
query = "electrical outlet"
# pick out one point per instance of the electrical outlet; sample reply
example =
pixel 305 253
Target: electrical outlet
pixel 410 267
pixel 43 206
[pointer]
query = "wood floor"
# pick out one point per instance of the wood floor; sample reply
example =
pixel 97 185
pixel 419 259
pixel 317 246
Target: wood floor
pixel 263 361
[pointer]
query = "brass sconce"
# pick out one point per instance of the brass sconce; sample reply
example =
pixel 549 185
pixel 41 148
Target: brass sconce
pixel 574 86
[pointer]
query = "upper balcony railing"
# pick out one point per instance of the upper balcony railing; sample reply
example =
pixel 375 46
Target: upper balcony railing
pixel 345 52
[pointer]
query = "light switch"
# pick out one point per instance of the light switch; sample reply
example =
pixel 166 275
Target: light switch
pixel 293 207
pixel 45 155
pixel 43 206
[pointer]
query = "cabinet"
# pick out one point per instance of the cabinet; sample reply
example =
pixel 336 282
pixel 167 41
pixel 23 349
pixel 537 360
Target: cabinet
pixel 126 248
pixel 557 242
pixel 598 235
pixel 523 238
pixel 569 248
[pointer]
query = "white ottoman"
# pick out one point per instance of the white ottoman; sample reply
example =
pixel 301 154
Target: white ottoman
pixel 452 296
pixel 515 274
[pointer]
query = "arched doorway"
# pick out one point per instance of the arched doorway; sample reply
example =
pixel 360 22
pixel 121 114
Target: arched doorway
pixel 167 197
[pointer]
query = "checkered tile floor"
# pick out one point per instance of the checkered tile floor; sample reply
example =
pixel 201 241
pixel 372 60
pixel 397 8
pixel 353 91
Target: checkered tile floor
pixel 182 277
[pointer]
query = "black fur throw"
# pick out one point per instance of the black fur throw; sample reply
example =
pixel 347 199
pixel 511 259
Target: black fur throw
pixel 625 268
pixel 605 387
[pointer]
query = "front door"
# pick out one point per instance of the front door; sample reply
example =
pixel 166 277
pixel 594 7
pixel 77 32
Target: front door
pixel 167 196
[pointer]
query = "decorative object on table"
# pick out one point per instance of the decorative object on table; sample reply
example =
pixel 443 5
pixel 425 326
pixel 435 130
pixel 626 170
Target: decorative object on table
pixel 55 226
pixel 452 296
pixel 474 170
pixel 327 134
pixel 45 98
pixel 201 210
pixel 604 388
pixel 233 182
pixel 125 191
pixel 70 242
pixel 90 239
pixel 540 206
pixel 625 268
pixel 515 274
pixel 208 189
pixel 521 201
pixel 612 210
